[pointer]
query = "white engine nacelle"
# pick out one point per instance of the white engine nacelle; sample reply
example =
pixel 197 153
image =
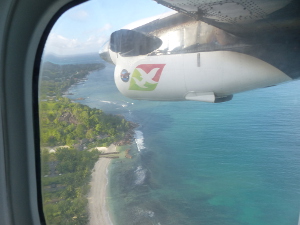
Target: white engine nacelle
pixel 206 76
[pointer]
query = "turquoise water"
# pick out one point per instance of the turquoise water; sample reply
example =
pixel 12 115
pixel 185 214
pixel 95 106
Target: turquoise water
pixel 194 163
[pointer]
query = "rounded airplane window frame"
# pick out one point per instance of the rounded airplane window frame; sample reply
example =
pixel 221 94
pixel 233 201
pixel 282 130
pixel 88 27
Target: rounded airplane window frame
pixel 22 39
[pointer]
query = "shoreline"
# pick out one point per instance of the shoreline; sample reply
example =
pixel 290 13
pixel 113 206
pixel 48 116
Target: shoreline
pixel 98 210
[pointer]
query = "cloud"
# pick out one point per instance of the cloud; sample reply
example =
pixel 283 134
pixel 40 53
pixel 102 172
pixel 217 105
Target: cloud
pixel 106 28
pixel 60 45
pixel 79 15
pixel 144 21
pixel 85 42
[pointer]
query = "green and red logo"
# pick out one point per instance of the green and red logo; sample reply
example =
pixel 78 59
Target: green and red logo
pixel 145 77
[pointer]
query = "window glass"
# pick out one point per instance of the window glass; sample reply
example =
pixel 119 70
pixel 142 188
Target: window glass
pixel 134 137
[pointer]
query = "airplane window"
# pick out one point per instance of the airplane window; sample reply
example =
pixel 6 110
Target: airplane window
pixel 170 114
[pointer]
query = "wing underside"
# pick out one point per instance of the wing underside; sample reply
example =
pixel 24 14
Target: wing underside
pixel 241 18
pixel 265 29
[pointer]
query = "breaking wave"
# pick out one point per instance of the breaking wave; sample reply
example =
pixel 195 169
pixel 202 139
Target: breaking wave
pixel 139 139
pixel 142 212
pixel 109 102
pixel 140 175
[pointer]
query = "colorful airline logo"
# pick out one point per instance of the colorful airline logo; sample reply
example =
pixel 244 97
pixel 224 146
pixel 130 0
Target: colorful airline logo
pixel 145 77
pixel 125 75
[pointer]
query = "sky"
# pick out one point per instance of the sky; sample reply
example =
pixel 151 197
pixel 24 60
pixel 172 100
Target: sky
pixel 86 27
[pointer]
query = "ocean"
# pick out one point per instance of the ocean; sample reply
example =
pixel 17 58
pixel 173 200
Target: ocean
pixel 232 163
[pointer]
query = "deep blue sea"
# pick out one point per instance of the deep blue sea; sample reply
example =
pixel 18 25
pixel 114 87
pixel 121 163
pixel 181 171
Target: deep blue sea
pixel 194 163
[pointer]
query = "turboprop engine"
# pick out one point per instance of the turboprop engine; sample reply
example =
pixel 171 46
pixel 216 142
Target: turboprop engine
pixel 208 76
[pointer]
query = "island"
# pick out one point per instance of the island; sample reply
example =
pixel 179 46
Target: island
pixel 73 137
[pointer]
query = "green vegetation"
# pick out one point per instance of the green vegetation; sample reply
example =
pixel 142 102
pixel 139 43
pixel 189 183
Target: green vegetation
pixel 66 170
pixel 65 123
pixel 66 187
pixel 56 79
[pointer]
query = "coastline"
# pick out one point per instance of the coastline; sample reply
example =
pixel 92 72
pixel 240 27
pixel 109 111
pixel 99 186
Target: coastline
pixel 97 205
pixel 98 194
pixel 98 210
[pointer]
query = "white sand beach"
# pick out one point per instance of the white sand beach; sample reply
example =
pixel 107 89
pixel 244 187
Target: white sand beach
pixel 97 196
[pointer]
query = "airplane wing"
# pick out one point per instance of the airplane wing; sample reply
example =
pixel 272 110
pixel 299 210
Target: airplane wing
pixel 265 29
pixel 245 18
